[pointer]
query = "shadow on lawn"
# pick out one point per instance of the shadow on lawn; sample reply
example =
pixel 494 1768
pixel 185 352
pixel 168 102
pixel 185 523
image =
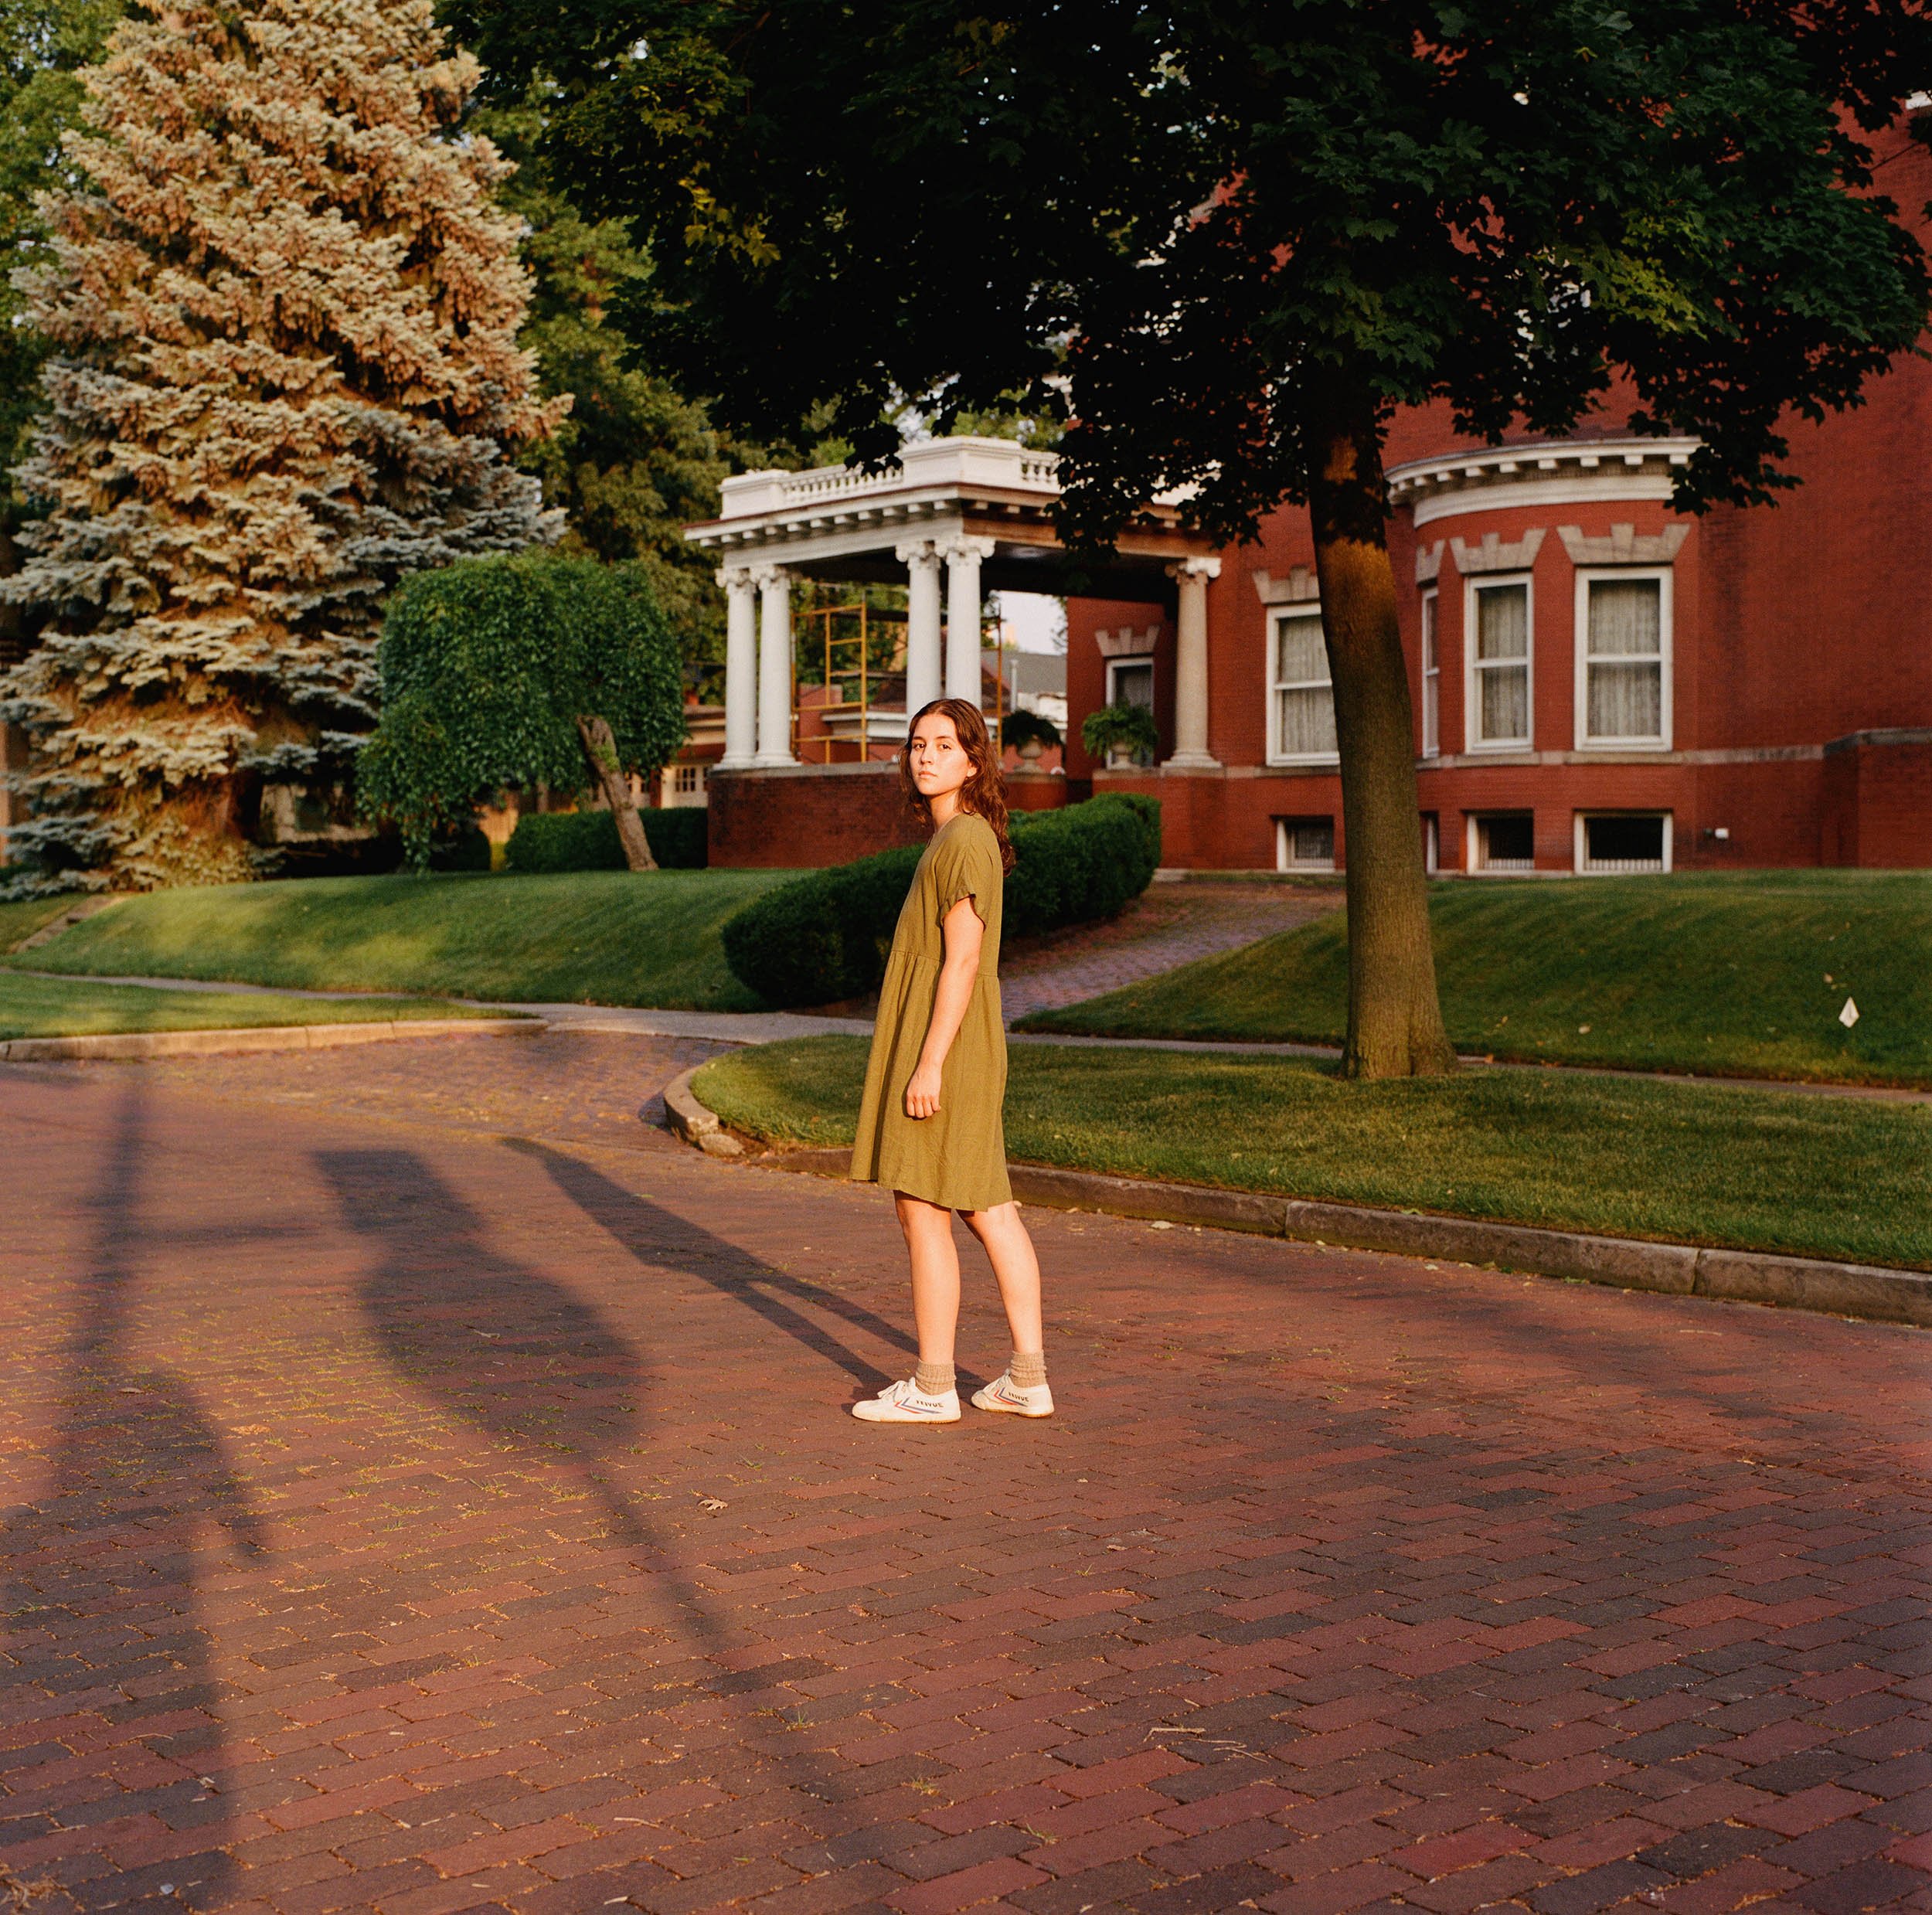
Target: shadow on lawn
pixel 102 1619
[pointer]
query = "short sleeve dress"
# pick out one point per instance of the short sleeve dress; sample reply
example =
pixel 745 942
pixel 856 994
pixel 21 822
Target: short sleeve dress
pixel 956 1157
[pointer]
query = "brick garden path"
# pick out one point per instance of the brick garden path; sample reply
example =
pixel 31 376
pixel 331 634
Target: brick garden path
pixel 1168 924
pixel 426 1489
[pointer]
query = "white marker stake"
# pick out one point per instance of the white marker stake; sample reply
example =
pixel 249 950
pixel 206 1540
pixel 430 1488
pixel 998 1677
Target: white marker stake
pixel 1849 1015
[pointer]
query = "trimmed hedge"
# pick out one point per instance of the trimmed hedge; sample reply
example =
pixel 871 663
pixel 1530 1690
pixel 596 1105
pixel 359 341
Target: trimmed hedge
pixel 825 936
pixel 587 840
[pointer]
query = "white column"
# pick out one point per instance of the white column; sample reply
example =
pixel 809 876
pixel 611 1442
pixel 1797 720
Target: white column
pixel 1191 665
pixel 922 623
pixel 774 666
pixel 741 668
pixel 963 634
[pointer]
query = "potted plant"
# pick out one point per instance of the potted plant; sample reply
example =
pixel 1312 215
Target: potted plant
pixel 1120 735
pixel 1029 735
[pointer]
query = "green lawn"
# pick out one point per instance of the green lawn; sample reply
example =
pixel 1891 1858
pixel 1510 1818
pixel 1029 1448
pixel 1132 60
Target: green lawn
pixel 22 920
pixel 54 1007
pixel 1739 976
pixel 591 937
pixel 1839 1177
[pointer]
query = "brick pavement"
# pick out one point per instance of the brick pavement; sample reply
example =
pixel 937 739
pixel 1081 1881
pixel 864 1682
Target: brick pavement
pixel 1168 924
pixel 425 1489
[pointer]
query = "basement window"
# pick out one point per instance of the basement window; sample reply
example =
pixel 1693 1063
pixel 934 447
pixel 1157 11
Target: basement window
pixel 1305 844
pixel 1620 841
pixel 1503 841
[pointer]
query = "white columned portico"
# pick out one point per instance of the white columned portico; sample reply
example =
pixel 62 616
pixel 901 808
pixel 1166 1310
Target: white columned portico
pixel 741 667
pixel 964 638
pixel 774 666
pixel 1191 665
pixel 920 557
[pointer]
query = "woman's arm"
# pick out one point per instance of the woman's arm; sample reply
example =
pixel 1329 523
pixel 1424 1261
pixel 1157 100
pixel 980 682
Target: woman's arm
pixel 963 933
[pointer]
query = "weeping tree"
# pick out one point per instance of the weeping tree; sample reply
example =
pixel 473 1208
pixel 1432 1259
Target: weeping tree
pixel 537 671
pixel 1228 239
pixel 283 306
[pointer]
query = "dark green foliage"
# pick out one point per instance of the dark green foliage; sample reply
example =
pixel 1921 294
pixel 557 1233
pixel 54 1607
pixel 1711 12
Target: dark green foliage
pixel 1024 727
pixel 825 936
pixel 1133 726
pixel 468 850
pixel 1084 862
pixel 1252 222
pixel 486 666
pixel 587 840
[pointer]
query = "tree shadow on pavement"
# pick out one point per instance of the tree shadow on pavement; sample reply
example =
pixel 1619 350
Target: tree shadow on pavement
pixel 497 1344
pixel 100 1630
pixel 661 1238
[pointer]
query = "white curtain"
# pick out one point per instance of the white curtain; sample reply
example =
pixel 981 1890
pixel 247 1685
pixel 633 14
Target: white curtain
pixel 1305 699
pixel 1625 664
pixel 1502 660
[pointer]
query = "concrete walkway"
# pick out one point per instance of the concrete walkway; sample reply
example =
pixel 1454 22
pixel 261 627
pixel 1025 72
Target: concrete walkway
pixel 767 1027
pixel 410 1503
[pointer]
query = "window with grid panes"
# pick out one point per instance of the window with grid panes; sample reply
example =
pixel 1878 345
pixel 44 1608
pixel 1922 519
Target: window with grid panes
pixel 1623 661
pixel 1500 665
pixel 1303 717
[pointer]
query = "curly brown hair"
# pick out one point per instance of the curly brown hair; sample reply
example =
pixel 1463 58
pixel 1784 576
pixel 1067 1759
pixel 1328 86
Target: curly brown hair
pixel 984 793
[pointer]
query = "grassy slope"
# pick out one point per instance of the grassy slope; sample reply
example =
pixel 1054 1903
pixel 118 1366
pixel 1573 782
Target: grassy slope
pixel 598 937
pixel 1721 974
pixel 53 1007
pixel 1807 1175
pixel 22 920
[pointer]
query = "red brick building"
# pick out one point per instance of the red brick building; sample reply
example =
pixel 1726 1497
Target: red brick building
pixel 1600 683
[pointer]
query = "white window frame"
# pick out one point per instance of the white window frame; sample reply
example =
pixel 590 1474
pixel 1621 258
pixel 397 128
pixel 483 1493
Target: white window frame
pixel 1285 858
pixel 1625 574
pixel 1153 684
pixel 1304 608
pixel 1582 868
pixel 1472 860
pixel 1471 700
pixel 1432 673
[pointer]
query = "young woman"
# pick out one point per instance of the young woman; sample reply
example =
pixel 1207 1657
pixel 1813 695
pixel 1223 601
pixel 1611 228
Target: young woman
pixel 929 1127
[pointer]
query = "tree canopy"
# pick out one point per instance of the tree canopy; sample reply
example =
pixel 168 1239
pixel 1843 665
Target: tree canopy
pixel 1195 226
pixel 492 672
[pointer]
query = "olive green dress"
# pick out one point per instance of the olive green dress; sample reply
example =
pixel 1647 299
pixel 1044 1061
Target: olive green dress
pixel 956 1157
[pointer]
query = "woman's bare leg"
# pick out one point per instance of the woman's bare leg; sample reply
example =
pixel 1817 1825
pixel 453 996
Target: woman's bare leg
pixel 1016 1269
pixel 935 1260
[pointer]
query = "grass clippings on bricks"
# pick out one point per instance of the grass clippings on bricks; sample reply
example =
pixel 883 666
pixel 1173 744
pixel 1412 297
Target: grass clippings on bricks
pixel 56 1007
pixel 588 936
pixel 1805 1175
pixel 1725 975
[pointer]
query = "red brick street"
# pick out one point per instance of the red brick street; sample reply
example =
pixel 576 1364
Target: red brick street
pixel 426 1488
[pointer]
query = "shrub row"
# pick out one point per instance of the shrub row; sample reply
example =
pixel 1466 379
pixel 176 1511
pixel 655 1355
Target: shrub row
pixel 825 936
pixel 587 840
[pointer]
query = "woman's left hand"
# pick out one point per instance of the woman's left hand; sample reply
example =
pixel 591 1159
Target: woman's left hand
pixel 922 1092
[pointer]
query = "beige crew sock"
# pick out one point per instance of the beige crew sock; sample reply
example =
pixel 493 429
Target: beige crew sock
pixel 933 1379
pixel 1028 1368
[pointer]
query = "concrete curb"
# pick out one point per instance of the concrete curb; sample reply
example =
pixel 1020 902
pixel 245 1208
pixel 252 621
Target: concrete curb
pixel 1676 1270
pixel 137 1044
pixel 695 1124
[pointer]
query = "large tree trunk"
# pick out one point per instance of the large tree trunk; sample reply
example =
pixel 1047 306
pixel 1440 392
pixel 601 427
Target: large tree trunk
pixel 1395 1017
pixel 601 751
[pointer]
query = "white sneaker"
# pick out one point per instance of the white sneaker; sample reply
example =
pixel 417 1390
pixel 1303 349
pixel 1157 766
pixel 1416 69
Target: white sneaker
pixel 1034 1399
pixel 906 1402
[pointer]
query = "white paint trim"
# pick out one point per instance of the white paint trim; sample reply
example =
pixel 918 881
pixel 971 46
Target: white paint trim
pixel 1471 706
pixel 1560 472
pixel 1580 645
